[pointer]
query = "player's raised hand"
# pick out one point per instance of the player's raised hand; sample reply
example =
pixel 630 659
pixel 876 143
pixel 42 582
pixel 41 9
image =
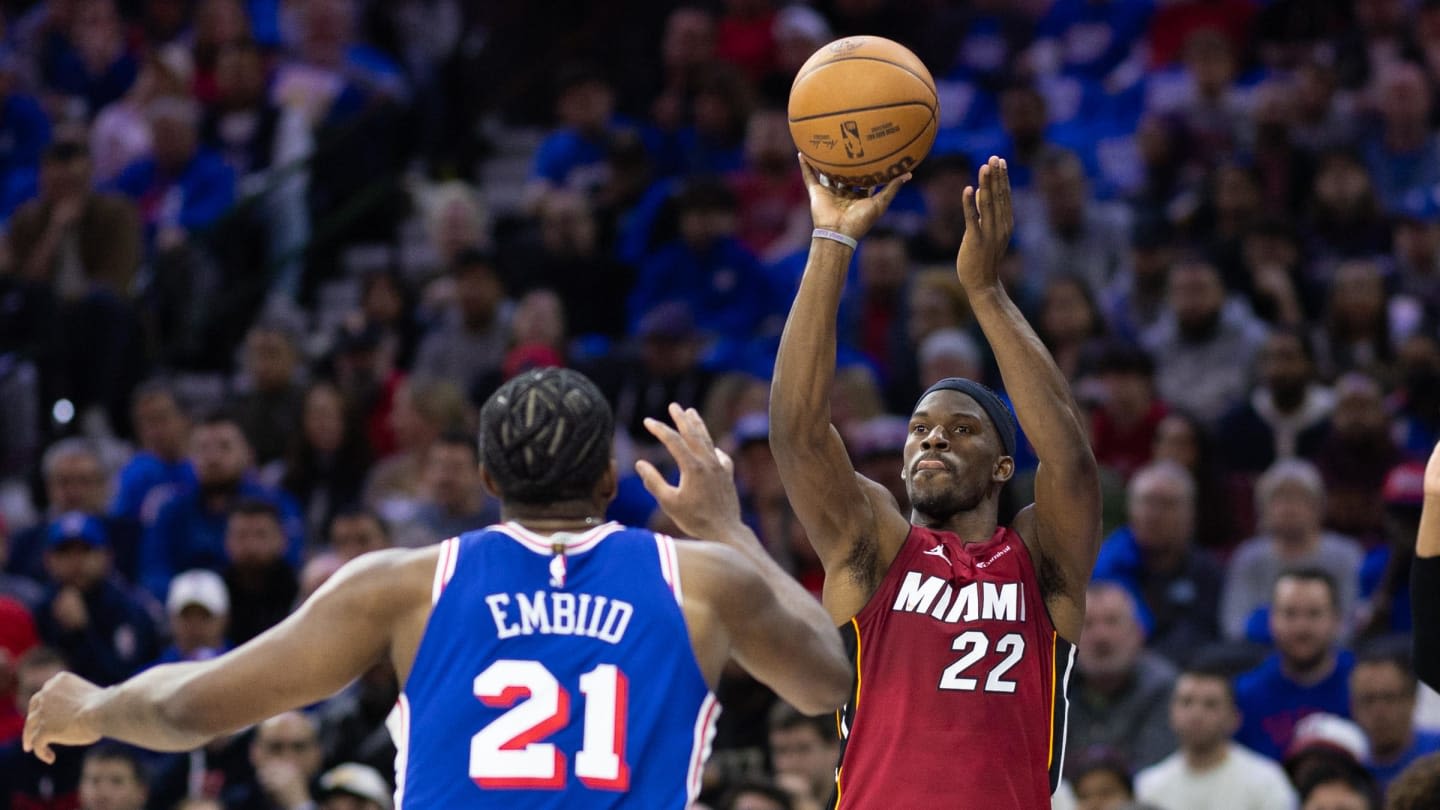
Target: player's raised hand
pixel 704 504
pixel 852 213
pixel 989 222
pixel 56 716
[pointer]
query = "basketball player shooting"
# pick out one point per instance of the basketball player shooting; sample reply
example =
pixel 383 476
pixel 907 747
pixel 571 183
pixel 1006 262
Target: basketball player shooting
pixel 961 631
pixel 554 660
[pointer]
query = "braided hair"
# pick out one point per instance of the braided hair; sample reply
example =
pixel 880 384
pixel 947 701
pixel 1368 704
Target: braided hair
pixel 545 437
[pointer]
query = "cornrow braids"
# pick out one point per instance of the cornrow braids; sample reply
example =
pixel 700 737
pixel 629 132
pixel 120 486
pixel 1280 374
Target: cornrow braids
pixel 545 436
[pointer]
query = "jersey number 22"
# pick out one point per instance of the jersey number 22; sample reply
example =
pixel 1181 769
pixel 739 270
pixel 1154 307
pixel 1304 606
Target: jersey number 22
pixel 510 752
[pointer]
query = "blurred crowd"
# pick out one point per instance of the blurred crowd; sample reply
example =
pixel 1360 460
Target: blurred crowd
pixel 263 259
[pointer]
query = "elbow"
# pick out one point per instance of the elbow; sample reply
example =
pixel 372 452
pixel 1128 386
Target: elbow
pixel 830 690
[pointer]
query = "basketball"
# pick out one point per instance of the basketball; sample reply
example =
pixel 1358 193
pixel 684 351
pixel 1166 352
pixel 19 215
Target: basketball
pixel 863 110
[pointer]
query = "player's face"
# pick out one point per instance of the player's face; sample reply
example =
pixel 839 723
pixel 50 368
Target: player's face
pixel 952 455
pixel 1303 621
pixel 1382 701
pixel 1201 712
pixel 110 784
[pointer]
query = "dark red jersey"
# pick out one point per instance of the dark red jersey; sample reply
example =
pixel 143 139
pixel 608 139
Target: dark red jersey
pixel 960 682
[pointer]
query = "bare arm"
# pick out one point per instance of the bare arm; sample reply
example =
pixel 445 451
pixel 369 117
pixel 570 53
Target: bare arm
pixel 1425 579
pixel 831 502
pixel 333 638
pixel 778 631
pixel 1065 520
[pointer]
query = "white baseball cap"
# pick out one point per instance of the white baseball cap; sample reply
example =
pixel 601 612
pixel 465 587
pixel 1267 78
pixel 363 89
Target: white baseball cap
pixel 357 780
pixel 199 587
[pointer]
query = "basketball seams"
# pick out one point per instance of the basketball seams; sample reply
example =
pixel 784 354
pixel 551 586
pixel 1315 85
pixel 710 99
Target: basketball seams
pixel 871 108
pixel 931 125
pixel 928 83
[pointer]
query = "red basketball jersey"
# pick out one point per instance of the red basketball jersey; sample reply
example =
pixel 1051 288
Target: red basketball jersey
pixel 960 682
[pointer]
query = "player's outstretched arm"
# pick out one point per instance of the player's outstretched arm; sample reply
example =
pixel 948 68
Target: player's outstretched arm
pixel 836 508
pixel 333 638
pixel 1065 521
pixel 777 630
pixel 1425 579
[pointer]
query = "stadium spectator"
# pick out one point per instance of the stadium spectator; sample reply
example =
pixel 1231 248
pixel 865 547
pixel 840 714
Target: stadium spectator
pixel 17 637
pixel 240 123
pixel 353 786
pixel 24 780
pixel 1120 691
pixel 269 409
pixel 76 480
pixel 1073 233
pixel 189 531
pixel 1210 769
pixel 286 756
pixel 1307 674
pixel 472 339
pixel 113 778
pixel 454 500
pixel 1382 701
pixel 423 411
pixel 1102 781
pixel 1338 791
pixel 327 460
pixel 1324 745
pixel 1069 322
pixel 1124 426
pixel 352 726
pixel 94 67
pixel 1355 457
pixel 1285 416
pixel 106 632
pixel 573 155
pixel 261 582
pixel 159 467
pixel 1401 155
pixel 199 611
pixel 803 752
pixel 1290 498
pixel 353 532
pixel 1177 586
pixel 1416 786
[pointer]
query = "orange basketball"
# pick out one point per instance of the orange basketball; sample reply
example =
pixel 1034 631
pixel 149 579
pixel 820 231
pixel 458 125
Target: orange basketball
pixel 863 110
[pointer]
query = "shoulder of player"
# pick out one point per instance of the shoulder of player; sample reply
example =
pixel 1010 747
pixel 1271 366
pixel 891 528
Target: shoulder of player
pixel 393 578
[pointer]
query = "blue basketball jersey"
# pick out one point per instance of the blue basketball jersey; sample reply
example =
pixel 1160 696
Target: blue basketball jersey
pixel 547 681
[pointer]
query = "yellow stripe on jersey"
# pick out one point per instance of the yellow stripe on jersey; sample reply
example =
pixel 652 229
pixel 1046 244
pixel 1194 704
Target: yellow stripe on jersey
pixel 839 717
pixel 1050 755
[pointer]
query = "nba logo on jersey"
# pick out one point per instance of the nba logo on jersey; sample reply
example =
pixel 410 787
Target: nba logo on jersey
pixel 540 685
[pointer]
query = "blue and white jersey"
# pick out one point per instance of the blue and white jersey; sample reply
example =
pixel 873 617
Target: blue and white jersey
pixel 547 680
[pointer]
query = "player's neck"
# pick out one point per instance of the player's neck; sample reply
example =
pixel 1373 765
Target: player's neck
pixel 974 526
pixel 567 517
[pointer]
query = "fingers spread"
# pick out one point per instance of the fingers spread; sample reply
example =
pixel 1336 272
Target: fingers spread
pixel 892 188
pixel 654 482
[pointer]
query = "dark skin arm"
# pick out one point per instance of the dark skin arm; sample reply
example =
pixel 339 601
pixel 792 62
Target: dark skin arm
pixel 853 523
pixel 1063 524
pixel 774 627
pixel 375 606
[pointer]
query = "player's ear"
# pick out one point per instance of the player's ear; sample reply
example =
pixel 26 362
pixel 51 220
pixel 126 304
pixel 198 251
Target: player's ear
pixel 609 484
pixel 1004 469
pixel 488 481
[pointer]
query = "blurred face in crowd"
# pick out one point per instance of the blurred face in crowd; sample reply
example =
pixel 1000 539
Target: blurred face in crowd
pixel 239 76
pixel 1101 790
pixel 327 28
pixel 1022 114
pixel 1284 368
pixel 947 364
pixel 289 738
pixel 196 628
pixel 220 453
pixel 1062 186
pixel 1292 511
pixel 1210 60
pixel 1155 142
pixel 1176 440
pixel 111 784
pixel 1111 640
pixel 1336 795
pixel 270 359
pixel 1202 712
pixel 702 227
pixel 452 472
pixel 96 33
pixel 665 356
pixel 1313 88
pixel 1357 295
pixel 689 39
pixel 567 225
pixel 539 318
pixel 884 264
pixel 161 426
pixel 1237 195
pixel 1404 96
pixel 220 21
pixel 930 308
pixel 479 293
pixel 353 535
pixel 323 418
pixel 586 105
pixel 77 564
pixel 1162 511
pixel 1128 394
pixel 1066 316
pixel 341 801
pixel 1382 702
pixel 1342 186
pixel 61 179
pixel 945 195
pixel 768 147
pixel 1417 244
pixel 802 751
pixel 253 541
pixel 173 133
pixel 76 483
pixel 1196 295
pixel 1359 408
pixel 1304 622
pixel 1269 249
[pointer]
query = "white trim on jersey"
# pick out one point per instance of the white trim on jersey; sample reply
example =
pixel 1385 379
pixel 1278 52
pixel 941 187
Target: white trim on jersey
pixel 398 722
pixel 670 565
pixel 444 567
pixel 1065 694
pixel 541 544
pixel 700 751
